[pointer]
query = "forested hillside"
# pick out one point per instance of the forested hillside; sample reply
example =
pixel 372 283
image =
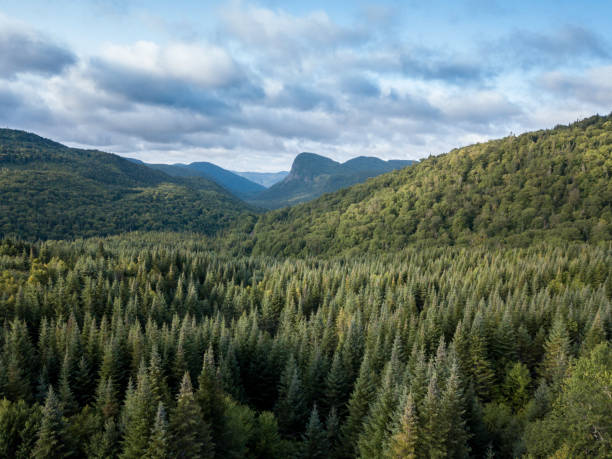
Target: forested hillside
pixel 545 185
pixel 52 191
pixel 234 183
pixel 312 175
pixel 151 346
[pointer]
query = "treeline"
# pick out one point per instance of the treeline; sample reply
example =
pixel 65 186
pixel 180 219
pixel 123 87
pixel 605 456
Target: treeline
pixel 549 185
pixel 153 346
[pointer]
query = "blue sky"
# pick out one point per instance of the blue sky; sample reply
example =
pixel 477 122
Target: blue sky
pixel 248 85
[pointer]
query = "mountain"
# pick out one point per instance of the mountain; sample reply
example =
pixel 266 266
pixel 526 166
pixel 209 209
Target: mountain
pixel 232 182
pixel 266 179
pixel 545 185
pixel 51 191
pixel 312 175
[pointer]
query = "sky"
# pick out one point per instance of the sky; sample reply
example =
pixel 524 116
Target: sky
pixel 249 85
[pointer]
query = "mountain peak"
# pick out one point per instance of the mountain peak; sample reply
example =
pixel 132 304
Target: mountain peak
pixel 312 175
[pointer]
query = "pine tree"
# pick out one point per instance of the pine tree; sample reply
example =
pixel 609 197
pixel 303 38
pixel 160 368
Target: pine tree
pixel 50 442
pixel 359 402
pixel 452 415
pixel 481 370
pixel 378 423
pixel 291 407
pixel 189 434
pixel 332 429
pixel 595 335
pixel 403 443
pixel 210 397
pixel 105 444
pixel 433 432
pixel 138 416
pixel 556 352
pixel 159 386
pixel 158 444
pixel 314 441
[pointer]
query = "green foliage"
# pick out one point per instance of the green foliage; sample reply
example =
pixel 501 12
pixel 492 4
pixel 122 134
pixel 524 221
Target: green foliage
pixel 189 433
pixel 50 191
pixel 544 185
pixel 312 175
pixel 579 423
pixel 50 440
pixel 474 337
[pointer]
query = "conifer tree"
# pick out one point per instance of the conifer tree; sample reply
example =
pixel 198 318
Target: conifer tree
pixel 556 352
pixel 189 434
pixel 359 402
pixel 290 408
pixel 210 398
pixel 403 442
pixel 138 416
pixel 50 442
pixel 452 413
pixel 378 423
pixel 157 379
pixel 433 433
pixel 314 441
pixel 158 444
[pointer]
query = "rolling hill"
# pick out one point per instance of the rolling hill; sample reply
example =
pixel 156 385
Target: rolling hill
pixel 550 184
pixel 51 191
pixel 232 182
pixel 312 175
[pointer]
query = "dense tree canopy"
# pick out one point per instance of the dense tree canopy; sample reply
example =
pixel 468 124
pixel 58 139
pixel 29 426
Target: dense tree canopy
pixel 49 191
pixel 112 345
pixel 544 185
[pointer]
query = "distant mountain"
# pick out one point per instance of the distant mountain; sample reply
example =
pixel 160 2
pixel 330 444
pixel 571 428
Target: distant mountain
pixel 266 179
pixel 548 185
pixel 232 182
pixel 51 191
pixel 312 175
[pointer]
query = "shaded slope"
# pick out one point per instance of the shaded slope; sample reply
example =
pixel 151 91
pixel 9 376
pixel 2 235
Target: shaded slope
pixel 312 175
pixel 52 191
pixel 234 183
pixel 550 184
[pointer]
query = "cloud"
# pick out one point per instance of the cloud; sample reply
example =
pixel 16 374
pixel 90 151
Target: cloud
pixel 431 64
pixel 284 35
pixel 203 78
pixel 562 47
pixel 204 65
pixel 593 86
pixel 300 97
pixel 27 51
pixel 478 110
pixel 359 85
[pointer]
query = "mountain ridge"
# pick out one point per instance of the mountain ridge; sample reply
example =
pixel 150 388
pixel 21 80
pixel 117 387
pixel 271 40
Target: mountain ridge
pixel 551 184
pixel 312 175
pixel 51 191
pixel 239 186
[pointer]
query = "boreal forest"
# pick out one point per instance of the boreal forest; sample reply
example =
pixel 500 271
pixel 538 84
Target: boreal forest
pixel 458 307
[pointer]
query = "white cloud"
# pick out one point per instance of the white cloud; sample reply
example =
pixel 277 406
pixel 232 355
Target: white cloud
pixel 593 86
pixel 201 64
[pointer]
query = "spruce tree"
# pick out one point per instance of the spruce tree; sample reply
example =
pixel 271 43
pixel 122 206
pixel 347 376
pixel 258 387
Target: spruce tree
pixel 189 434
pixel 556 353
pixel 158 444
pixel 314 441
pixel 50 442
pixel 358 405
pixel 403 442
pixel 378 423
